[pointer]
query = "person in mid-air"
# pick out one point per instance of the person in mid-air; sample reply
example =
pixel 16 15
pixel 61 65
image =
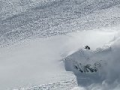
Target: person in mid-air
pixel 87 47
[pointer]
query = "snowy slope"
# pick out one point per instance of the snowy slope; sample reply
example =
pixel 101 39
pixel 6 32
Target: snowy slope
pixel 44 18
pixel 31 59
pixel 38 61
pixel 33 62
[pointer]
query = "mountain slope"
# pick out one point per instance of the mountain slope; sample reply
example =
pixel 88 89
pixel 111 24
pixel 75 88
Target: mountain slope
pixel 54 17
pixel 31 59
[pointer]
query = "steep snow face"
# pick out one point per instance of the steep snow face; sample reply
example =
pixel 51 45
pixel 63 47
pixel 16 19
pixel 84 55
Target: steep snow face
pixel 83 64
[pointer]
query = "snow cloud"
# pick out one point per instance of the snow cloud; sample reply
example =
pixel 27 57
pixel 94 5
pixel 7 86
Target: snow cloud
pixel 108 75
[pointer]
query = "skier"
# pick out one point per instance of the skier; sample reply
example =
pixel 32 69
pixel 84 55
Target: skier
pixel 87 47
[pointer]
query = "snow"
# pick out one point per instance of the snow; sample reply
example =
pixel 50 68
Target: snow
pixel 32 62
pixel 42 40
pixel 38 61
pixel 78 88
pixel 107 76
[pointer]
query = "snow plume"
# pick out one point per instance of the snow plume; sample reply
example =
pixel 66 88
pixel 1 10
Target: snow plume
pixel 103 86
pixel 107 76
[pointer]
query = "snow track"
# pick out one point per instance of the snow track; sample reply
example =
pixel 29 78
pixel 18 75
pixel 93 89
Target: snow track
pixel 63 85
